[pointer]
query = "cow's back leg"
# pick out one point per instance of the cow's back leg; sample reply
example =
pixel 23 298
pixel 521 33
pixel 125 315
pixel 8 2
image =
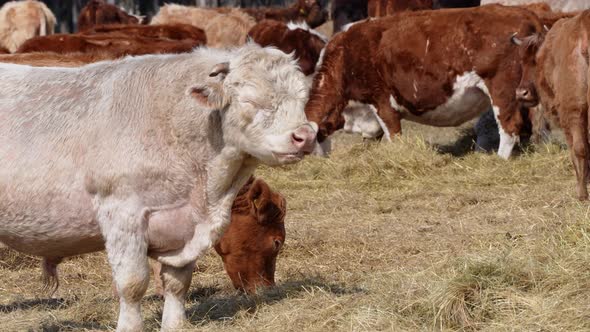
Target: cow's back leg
pixel 388 117
pixel 124 229
pixel 575 127
pixel 176 284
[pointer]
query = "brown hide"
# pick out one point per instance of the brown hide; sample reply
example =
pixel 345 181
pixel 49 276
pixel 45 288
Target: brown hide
pixel 52 59
pixel 252 241
pixel 118 45
pixel 97 12
pixel 558 73
pixel 379 8
pixel 423 52
pixel 166 31
pixel 306 45
pixel 302 10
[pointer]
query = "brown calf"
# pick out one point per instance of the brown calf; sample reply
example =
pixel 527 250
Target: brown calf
pixel 439 68
pixel 98 12
pixel 165 31
pixel 298 38
pixel 558 76
pixel 116 45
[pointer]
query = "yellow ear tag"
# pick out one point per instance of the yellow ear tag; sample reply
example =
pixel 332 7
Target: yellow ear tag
pixel 302 11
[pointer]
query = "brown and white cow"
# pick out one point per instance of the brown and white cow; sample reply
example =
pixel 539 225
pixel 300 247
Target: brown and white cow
pixel 21 20
pixel 98 12
pixel 298 38
pixel 125 149
pixel 419 67
pixel 558 76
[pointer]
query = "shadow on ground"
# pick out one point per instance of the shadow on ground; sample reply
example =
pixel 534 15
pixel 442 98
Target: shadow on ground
pixel 220 307
pixel 40 304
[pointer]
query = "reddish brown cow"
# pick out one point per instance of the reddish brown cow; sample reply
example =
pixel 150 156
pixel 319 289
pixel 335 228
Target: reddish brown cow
pixel 116 45
pixel 558 75
pixel 433 67
pixel 97 12
pixel 379 8
pixel 166 31
pixel 299 38
pixel 309 11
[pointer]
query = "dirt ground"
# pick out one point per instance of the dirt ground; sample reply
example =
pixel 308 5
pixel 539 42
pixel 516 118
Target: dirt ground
pixel 395 237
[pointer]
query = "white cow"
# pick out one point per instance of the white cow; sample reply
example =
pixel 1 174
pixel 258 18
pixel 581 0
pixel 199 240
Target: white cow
pixel 112 154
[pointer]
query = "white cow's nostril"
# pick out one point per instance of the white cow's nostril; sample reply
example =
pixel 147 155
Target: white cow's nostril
pixel 298 139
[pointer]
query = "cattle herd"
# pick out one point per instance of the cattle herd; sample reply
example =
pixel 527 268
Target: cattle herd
pixel 140 136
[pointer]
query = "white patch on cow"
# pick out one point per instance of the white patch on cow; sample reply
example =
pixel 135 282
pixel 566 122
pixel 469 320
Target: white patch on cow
pixel 470 98
pixel 303 26
pixel 381 123
pixel 507 141
pixel 427 46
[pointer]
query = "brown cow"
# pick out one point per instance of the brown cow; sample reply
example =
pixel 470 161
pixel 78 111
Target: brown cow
pixel 292 37
pixel 309 11
pixel 21 20
pixel 98 12
pixel 113 44
pixel 557 75
pixel 440 68
pixel 166 31
pixel 379 8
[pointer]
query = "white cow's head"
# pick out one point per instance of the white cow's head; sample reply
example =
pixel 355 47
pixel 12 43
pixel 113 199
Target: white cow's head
pixel 262 94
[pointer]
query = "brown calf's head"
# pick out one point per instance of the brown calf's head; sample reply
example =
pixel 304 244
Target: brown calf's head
pixel 526 92
pixel 250 245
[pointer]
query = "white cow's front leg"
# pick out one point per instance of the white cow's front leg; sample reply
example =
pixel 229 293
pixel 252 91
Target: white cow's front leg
pixel 123 226
pixel 507 141
pixel 176 284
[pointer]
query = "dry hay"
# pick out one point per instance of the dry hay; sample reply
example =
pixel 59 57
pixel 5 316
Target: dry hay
pixel 379 237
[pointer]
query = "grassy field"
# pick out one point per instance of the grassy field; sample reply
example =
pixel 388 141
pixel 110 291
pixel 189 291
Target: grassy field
pixel 395 237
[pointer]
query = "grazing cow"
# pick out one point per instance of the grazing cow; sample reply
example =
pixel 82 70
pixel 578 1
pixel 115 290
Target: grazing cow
pixel 379 8
pixel 250 245
pixel 126 150
pixel 118 45
pixel 309 11
pixel 556 5
pixel 226 29
pixel 556 73
pixel 97 12
pixel 292 37
pixel 347 11
pixel 166 31
pixel 420 67
pixel 21 20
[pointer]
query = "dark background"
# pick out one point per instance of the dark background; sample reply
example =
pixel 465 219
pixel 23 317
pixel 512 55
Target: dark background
pixel 66 11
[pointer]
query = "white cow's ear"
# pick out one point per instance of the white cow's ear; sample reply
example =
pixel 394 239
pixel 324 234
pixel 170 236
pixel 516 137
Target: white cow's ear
pixel 220 70
pixel 209 95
